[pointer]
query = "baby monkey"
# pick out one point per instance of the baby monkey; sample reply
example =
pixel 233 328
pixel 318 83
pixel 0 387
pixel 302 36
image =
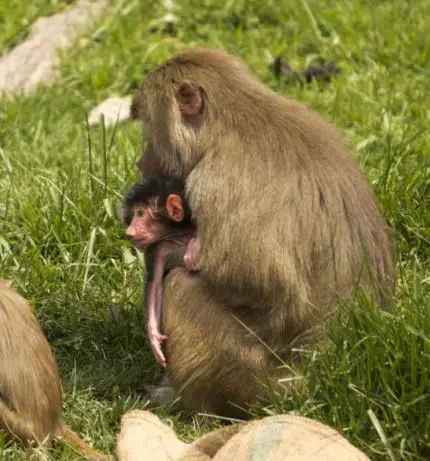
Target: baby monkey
pixel 158 218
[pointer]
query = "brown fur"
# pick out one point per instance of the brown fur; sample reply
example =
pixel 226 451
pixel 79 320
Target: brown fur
pixel 30 388
pixel 286 221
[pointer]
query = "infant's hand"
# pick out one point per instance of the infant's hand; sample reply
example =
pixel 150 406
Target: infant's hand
pixel 192 257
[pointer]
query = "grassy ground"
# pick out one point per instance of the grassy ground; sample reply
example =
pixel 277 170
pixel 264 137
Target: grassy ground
pixel 17 15
pixel 59 184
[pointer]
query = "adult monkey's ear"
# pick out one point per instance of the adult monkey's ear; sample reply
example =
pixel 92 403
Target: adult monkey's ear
pixel 190 98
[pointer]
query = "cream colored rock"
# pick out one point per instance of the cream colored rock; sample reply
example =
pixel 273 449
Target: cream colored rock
pixel 34 60
pixel 144 437
pixel 288 438
pixel 276 438
pixel 114 109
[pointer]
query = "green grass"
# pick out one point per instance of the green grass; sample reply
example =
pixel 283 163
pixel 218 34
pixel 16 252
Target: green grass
pixel 62 246
pixel 16 16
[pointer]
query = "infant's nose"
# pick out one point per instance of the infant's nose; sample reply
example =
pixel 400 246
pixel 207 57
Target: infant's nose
pixel 130 232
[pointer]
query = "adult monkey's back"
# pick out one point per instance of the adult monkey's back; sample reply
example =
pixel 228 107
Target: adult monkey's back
pixel 286 221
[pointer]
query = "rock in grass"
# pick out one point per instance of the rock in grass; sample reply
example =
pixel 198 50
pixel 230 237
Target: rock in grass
pixel 144 437
pixel 274 438
pixel 34 61
pixel 114 109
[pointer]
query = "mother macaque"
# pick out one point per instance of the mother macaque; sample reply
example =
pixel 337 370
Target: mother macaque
pixel 285 220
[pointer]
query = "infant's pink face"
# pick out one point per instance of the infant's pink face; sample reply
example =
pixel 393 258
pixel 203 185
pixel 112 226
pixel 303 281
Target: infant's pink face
pixel 144 227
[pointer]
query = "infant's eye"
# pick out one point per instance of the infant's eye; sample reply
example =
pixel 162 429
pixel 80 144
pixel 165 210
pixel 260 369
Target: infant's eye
pixel 140 212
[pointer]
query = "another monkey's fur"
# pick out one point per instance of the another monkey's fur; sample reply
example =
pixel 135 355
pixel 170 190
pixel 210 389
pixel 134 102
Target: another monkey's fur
pixel 286 222
pixel 30 388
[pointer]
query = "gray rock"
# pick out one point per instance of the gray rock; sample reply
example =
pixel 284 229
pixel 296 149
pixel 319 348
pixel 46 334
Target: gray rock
pixel 34 60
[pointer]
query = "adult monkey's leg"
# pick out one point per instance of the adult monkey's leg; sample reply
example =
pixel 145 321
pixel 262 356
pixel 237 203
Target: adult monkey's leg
pixel 213 361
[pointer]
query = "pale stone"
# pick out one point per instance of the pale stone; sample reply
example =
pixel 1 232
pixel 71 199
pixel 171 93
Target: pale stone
pixel 275 438
pixel 114 109
pixel 34 61
pixel 144 437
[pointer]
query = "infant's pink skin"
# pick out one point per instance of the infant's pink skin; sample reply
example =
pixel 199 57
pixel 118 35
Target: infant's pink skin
pixel 155 341
pixel 192 257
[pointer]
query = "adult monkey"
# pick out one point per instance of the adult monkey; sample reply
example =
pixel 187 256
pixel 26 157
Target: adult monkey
pixel 286 223
pixel 30 387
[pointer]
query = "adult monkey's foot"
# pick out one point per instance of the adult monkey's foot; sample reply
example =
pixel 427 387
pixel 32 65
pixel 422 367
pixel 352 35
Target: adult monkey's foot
pixel 162 393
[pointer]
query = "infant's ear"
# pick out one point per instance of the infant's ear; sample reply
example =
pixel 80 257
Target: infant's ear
pixel 175 208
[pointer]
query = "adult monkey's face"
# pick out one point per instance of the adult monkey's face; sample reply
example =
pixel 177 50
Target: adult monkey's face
pixel 186 106
pixel 149 163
